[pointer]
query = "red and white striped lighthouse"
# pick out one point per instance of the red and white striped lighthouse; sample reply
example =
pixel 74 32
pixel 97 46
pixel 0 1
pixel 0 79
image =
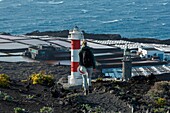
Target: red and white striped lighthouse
pixel 75 36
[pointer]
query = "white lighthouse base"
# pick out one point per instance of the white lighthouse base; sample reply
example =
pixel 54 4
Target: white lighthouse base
pixel 75 79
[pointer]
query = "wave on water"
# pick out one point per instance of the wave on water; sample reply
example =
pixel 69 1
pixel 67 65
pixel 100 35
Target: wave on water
pixel 84 10
pixel 164 3
pixel 105 9
pixel 131 3
pixel 30 0
pixel 112 21
pixel 56 3
pixel 163 24
pixel 52 2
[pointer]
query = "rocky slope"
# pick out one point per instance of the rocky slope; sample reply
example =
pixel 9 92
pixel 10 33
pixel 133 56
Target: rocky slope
pixel 138 95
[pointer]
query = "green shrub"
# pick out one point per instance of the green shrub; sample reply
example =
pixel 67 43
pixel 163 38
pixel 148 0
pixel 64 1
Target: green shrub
pixel 19 110
pixel 30 96
pixel 5 96
pixel 46 110
pixel 160 101
pixel 159 110
pixel 2 95
pixel 8 98
pixel 87 107
pixel 99 80
pixel 42 78
pixel 4 80
pixel 90 109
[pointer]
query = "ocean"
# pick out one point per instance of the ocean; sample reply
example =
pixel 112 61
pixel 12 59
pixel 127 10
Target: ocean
pixel 129 18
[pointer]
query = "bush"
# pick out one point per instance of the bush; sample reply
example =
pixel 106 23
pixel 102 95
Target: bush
pixel 4 80
pixel 99 80
pixel 2 95
pixel 160 89
pixel 163 85
pixel 19 110
pixel 46 110
pixel 161 102
pixel 42 78
pixel 8 98
pixel 5 96
pixel 30 97
pixel 159 110
pixel 89 109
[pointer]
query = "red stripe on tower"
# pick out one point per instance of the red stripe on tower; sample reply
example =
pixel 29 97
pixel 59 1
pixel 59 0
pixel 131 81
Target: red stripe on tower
pixel 75 44
pixel 74 66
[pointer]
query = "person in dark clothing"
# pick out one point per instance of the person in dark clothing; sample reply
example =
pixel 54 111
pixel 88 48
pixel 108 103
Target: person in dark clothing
pixel 87 65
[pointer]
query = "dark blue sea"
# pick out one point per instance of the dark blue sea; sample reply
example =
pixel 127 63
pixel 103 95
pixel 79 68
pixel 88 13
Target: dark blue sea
pixel 130 18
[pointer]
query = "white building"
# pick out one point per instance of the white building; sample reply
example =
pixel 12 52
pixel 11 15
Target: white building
pixel 151 52
pixel 167 56
pixel 166 50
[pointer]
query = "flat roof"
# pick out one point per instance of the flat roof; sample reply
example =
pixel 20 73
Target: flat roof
pixel 151 49
pixel 10 37
pixel 33 42
pixel 98 46
pixel 13 46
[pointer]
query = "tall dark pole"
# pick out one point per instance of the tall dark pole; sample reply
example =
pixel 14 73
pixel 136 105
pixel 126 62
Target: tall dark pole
pixel 126 65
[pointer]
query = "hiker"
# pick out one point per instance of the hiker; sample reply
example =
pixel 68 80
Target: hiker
pixel 87 66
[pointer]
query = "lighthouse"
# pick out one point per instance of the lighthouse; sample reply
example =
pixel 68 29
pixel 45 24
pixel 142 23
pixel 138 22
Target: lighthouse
pixel 75 36
pixel 127 65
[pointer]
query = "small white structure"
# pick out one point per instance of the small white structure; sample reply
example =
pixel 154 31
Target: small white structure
pixel 150 52
pixel 75 36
